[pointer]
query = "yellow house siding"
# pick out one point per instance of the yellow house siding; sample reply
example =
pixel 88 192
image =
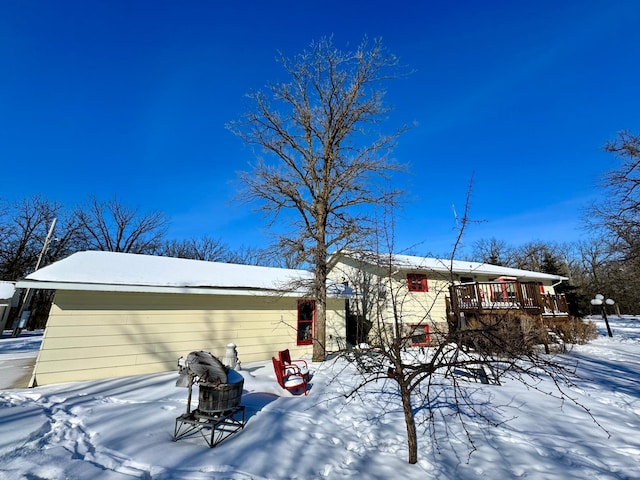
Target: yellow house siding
pixel 92 335
pixel 421 307
pixel 425 308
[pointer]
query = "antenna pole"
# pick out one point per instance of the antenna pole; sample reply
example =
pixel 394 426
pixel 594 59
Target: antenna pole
pixel 21 323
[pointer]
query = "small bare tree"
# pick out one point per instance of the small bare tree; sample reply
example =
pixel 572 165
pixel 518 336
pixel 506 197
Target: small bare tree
pixel 325 167
pixel 113 227
pixel 434 380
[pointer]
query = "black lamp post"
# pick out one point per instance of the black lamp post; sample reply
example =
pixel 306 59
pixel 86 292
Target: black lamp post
pixel 602 303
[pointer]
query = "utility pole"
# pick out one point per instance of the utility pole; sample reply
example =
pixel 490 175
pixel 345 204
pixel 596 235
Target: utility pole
pixel 23 315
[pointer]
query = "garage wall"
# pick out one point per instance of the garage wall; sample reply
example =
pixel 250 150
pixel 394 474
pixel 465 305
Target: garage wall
pixel 92 335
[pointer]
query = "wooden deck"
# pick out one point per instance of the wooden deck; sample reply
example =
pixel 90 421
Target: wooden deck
pixel 488 297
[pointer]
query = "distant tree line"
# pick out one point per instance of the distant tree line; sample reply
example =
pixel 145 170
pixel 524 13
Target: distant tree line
pixel 107 225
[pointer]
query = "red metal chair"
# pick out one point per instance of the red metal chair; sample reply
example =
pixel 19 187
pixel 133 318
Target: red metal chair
pixel 296 366
pixel 288 380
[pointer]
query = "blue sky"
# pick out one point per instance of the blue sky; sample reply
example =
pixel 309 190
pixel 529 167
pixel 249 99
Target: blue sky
pixel 130 99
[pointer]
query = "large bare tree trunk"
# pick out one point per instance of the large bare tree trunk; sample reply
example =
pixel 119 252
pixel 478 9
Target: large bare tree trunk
pixel 320 288
pixel 319 343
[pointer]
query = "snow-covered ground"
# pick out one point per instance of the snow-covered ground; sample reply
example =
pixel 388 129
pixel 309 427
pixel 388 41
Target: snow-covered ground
pixel 17 357
pixel 122 428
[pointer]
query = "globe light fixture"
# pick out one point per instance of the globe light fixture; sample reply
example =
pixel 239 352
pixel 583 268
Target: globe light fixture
pixel 599 301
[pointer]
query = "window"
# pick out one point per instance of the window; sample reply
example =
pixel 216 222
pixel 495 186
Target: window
pixel 420 336
pixel 417 282
pixel 306 316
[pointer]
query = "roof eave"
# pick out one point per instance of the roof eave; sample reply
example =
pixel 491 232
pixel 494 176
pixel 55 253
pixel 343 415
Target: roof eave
pixel 103 287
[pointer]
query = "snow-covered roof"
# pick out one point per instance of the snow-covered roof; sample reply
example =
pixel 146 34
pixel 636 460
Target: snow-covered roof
pixel 111 271
pixel 7 290
pixel 459 267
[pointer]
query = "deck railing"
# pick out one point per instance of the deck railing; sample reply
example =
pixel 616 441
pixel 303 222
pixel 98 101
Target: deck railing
pixel 484 297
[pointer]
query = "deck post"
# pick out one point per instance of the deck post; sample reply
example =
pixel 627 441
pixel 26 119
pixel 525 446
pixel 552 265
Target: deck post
pixel 539 300
pixel 478 296
pixel 519 296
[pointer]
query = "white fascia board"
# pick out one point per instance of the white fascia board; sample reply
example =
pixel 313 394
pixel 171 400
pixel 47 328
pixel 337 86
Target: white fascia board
pixel 460 267
pixel 152 289
pixel 410 263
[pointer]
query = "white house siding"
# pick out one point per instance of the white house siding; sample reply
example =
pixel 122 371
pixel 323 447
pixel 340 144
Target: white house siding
pixel 92 335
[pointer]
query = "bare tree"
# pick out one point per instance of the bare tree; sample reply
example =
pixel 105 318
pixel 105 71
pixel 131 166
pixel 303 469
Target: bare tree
pixel 24 228
pixel 493 251
pixel 25 224
pixel 532 255
pixel 326 169
pixel 620 214
pixel 617 218
pixel 204 248
pixel 266 257
pixel 5 231
pixel 436 380
pixel 113 227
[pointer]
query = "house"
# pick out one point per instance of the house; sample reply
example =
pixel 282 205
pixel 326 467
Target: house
pixel 8 299
pixel 432 295
pixel 118 314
